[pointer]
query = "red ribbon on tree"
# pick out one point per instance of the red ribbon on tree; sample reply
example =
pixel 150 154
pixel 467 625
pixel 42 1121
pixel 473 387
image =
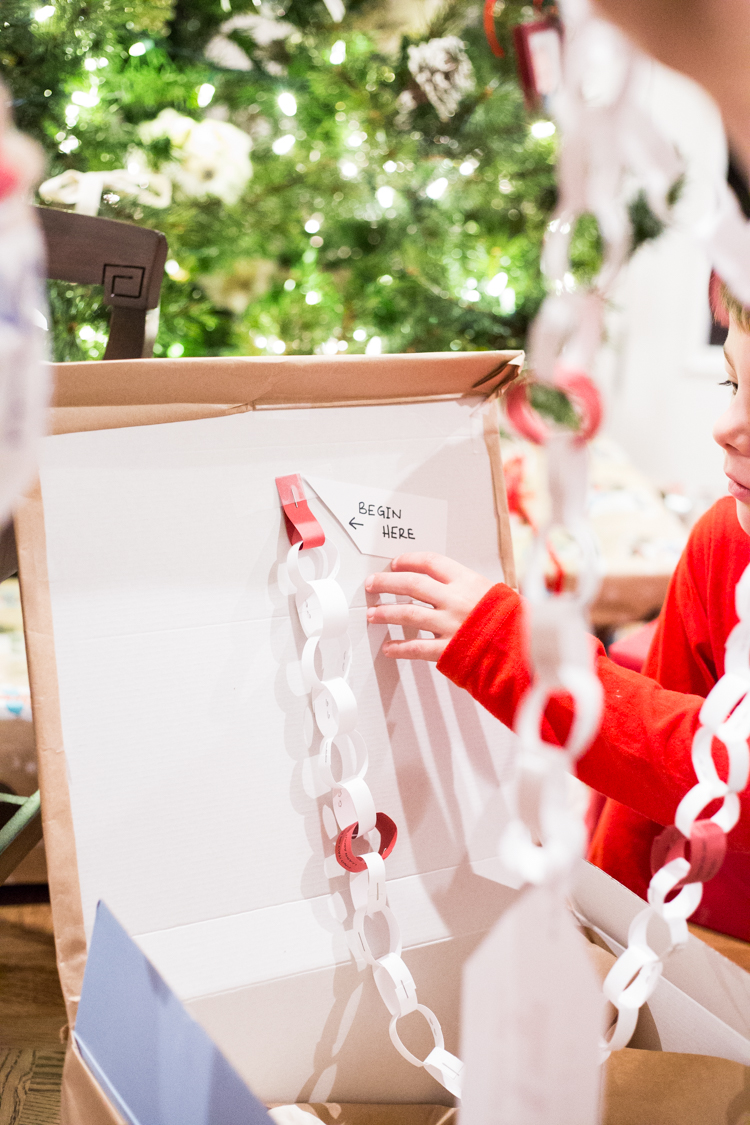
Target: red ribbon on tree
pixel 489 28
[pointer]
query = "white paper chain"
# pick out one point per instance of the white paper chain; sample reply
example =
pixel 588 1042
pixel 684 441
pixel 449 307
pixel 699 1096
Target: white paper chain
pixel 326 662
pixel 547 836
pixel 725 716
pixel 609 147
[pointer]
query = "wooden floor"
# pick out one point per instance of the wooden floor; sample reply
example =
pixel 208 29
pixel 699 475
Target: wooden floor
pixel 32 1015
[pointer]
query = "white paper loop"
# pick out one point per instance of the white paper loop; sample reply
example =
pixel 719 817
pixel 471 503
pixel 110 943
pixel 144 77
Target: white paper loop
pixel 334 707
pixel 384 918
pixel 322 609
pixel 395 985
pixel 353 757
pixel 435 1028
pixel 353 804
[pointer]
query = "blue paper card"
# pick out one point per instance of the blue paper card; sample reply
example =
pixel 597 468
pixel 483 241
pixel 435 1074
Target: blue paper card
pixel 151 1058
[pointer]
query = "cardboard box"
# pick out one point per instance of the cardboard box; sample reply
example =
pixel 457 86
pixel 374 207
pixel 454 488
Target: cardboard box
pixel 145 796
pixel 175 774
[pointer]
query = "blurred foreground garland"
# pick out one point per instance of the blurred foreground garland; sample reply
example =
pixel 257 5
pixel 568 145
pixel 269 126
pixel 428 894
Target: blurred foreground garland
pixel 327 180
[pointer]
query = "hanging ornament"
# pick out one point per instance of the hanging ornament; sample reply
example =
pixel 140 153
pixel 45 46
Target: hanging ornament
pixel 539 57
pixel 208 157
pixel 84 189
pixel 442 70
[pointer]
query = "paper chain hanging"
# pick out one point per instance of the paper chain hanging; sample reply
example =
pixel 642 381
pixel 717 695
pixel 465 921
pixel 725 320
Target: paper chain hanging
pixel 326 662
pixel 606 141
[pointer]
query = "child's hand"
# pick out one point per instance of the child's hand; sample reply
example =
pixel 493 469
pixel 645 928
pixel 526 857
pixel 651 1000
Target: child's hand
pixel 451 591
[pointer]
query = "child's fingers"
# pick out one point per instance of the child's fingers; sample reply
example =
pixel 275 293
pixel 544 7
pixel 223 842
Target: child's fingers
pixel 409 616
pixel 439 567
pixel 417 586
pixel 414 650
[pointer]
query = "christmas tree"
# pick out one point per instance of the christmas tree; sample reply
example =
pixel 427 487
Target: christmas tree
pixel 329 178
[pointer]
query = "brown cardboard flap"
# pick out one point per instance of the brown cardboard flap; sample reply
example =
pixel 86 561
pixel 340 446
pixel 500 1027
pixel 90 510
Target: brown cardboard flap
pixel 57 818
pixel 661 1088
pixel 77 419
pixel 83 1101
pixel 301 381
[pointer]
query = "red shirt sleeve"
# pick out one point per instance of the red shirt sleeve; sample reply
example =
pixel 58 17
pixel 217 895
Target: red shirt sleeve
pixel 681 656
pixel 641 756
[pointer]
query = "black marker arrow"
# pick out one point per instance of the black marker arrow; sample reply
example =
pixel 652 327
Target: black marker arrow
pixel 352 524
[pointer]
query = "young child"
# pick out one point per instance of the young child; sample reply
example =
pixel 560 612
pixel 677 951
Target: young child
pixel 641 757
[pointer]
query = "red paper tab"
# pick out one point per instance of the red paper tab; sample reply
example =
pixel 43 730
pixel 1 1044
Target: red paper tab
pixel 301 524
pixel 708 845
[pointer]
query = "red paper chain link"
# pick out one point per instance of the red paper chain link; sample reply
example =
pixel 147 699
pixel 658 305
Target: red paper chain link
pixel 708 845
pixel 346 857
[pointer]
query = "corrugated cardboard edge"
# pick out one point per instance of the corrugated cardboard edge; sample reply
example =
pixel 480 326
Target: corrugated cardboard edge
pixel 57 819
pixel 276 382
pixel 83 1101
pixel 491 419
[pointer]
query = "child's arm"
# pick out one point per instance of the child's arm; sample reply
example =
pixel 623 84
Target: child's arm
pixel 641 756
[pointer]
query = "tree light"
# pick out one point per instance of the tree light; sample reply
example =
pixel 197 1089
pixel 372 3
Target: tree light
pixel 468 167
pixel 360 334
pixel 390 166
pixel 436 189
pixel 205 94
pixel 348 169
pixel 386 279
pixel 508 300
pixel 284 144
pixel 42 14
pixel 86 98
pixel 338 53
pixel 174 351
pixel 136 50
pixel 312 298
pixel 374 347
pixel 385 197
pixel 312 226
pixel 287 103
pixel 497 283
pixel 290 284
pixel 275 345
pixel 542 129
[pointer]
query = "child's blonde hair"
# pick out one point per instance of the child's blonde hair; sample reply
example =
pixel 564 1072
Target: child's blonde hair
pixel 725 306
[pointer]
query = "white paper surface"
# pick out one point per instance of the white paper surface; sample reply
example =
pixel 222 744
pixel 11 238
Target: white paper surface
pixel 382 522
pixel 532 1020
pixel 195 805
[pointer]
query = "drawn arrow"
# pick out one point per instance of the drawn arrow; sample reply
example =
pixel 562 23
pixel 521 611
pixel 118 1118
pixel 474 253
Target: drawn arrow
pixel 352 524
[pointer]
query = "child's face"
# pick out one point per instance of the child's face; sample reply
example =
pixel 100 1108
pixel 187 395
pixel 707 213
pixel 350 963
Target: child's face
pixel 732 431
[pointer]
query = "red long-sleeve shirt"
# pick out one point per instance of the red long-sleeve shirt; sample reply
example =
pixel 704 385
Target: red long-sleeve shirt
pixel 641 757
